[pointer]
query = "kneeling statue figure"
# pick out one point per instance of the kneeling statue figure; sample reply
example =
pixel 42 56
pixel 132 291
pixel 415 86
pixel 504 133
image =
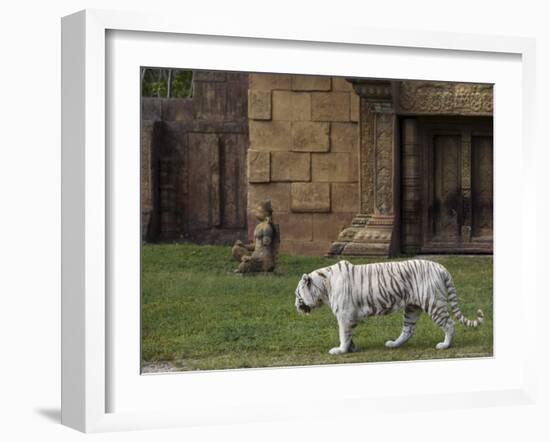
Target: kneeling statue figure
pixel 261 254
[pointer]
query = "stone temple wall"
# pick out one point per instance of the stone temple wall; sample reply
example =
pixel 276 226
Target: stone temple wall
pixel 193 162
pixel 303 155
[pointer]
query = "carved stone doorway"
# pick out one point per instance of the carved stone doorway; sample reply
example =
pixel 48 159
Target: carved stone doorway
pixel 447 185
pixel 426 165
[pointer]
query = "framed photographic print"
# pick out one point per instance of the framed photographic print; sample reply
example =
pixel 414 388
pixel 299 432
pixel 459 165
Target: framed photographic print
pixel 248 212
pixel 256 187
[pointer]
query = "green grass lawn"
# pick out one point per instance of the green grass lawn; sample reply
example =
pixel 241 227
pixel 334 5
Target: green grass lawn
pixel 198 315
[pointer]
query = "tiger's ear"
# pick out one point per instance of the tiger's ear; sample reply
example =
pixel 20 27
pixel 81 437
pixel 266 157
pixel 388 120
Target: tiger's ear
pixel 306 278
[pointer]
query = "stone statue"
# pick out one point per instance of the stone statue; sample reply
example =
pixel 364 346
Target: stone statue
pixel 261 254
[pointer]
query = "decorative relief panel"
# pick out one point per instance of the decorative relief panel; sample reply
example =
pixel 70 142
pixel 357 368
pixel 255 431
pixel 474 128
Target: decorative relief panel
pixel 426 97
pixel 384 163
pixel 366 159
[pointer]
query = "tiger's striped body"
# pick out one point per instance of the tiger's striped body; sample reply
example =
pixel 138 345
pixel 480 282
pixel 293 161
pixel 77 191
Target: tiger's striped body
pixel 355 292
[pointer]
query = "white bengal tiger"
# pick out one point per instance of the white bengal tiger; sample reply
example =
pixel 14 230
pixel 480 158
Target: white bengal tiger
pixel 355 292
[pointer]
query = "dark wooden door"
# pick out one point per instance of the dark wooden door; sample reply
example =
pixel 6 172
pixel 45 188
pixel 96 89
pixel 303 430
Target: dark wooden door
pixel 446 217
pixel 482 188
pixel 457 202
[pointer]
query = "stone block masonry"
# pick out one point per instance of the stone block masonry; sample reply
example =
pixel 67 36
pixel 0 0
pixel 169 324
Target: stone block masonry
pixel 304 142
pixel 290 166
pixel 335 167
pixel 310 197
pixel 310 83
pixel 269 135
pixel 330 106
pixel 258 166
pixel 291 106
pixel 309 136
pixel 259 105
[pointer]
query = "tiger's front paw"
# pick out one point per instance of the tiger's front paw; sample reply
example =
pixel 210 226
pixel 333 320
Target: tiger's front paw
pixel 336 351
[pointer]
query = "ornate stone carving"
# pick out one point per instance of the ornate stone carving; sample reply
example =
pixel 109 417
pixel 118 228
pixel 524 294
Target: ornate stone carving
pixel 376 156
pixel 384 163
pixel 427 97
pixel 367 236
pixel 372 231
pixel 366 155
pixel 373 90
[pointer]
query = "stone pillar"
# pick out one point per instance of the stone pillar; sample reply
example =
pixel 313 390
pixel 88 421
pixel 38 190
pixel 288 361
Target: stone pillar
pixel 373 230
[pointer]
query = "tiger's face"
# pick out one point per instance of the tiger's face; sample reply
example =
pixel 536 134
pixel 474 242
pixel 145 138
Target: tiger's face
pixel 307 296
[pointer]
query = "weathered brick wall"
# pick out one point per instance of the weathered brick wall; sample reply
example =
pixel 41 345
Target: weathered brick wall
pixel 303 156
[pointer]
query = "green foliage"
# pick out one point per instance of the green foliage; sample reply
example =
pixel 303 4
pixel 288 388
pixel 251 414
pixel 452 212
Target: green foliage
pixel 198 314
pixel 171 83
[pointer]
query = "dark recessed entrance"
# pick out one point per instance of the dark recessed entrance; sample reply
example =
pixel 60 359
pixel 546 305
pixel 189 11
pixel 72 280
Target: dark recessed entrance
pixel 447 185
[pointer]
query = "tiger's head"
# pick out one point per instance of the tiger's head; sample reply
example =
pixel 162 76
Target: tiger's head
pixel 311 292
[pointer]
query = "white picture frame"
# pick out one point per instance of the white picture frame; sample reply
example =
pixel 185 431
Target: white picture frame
pixel 89 174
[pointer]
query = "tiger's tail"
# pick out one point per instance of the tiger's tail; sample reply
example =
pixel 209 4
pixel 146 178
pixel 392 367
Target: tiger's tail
pixel 451 291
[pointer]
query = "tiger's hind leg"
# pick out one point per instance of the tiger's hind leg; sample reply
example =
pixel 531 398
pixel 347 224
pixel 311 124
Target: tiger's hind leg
pixel 412 313
pixel 440 316
pixel 449 329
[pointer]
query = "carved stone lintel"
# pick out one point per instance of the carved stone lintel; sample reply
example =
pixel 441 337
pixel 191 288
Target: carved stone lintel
pixel 430 97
